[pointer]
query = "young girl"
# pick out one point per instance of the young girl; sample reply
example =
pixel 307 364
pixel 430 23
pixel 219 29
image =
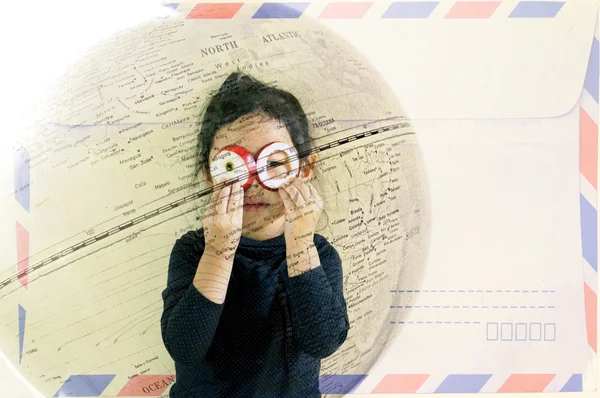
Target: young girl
pixel 254 299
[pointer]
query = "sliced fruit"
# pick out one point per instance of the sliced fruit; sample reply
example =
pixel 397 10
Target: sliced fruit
pixel 276 164
pixel 233 162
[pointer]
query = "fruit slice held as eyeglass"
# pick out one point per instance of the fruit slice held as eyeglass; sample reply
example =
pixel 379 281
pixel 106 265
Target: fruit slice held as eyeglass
pixel 276 163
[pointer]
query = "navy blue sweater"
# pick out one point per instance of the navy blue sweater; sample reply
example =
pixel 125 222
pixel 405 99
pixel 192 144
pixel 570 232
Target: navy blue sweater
pixel 268 338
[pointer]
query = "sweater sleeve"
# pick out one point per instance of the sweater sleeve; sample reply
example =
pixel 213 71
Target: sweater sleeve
pixel 317 305
pixel 189 319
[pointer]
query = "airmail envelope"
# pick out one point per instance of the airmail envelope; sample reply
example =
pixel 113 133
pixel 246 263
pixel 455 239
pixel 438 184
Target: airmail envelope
pixel 504 97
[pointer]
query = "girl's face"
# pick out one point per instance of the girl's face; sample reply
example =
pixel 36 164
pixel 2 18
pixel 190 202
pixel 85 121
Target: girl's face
pixel 253 131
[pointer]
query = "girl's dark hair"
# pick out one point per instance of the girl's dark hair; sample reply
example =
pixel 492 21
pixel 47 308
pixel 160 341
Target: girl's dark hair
pixel 241 94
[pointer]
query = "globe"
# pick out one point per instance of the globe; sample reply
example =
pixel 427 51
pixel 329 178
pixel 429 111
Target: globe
pixel 104 185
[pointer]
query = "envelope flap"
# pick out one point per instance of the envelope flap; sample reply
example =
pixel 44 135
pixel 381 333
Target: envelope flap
pixel 497 68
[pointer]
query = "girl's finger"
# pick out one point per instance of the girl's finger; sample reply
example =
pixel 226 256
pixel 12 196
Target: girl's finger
pixel 214 197
pixel 295 194
pixel 240 199
pixel 239 210
pixel 305 189
pixel 222 203
pixel 285 198
pixel 234 197
pixel 239 196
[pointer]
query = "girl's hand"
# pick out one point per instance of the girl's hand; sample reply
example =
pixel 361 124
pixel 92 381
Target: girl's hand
pixel 223 221
pixel 303 206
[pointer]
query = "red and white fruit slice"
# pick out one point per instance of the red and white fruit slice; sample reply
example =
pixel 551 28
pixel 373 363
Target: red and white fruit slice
pixel 276 164
pixel 233 162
